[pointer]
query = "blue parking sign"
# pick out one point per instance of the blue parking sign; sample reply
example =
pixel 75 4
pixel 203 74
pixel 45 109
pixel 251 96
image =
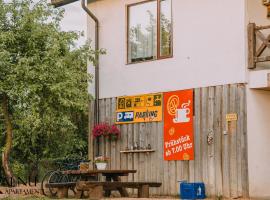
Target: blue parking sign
pixel 127 116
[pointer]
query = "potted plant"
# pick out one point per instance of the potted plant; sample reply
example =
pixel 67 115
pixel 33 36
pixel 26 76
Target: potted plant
pixel 107 131
pixel 101 162
pixel 114 133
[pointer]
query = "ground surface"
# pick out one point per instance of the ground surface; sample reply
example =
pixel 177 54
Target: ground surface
pixel 40 197
pixel 44 198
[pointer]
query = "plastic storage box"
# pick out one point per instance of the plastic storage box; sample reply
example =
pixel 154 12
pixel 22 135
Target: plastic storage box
pixel 192 190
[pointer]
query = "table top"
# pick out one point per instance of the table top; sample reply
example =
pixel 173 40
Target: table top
pixel 104 172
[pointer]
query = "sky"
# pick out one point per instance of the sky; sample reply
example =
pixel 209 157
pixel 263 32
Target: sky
pixel 75 20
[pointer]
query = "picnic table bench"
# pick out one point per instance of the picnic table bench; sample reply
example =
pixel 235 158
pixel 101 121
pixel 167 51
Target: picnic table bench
pixel 96 188
pixel 62 188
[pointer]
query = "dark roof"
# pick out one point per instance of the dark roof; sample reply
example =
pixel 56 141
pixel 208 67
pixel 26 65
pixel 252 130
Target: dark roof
pixel 58 3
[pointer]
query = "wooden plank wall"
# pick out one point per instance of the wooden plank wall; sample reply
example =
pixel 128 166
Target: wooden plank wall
pixel 222 165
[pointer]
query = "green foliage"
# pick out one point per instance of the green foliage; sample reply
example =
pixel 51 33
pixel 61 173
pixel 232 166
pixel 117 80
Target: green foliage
pixel 70 162
pixel 19 169
pixel 166 35
pixel 45 79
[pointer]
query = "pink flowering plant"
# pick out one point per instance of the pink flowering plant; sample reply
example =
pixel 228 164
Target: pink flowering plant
pixel 104 129
pixel 101 129
pixel 114 132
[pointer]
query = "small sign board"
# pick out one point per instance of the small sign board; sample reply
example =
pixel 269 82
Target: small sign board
pixel 141 108
pixel 231 117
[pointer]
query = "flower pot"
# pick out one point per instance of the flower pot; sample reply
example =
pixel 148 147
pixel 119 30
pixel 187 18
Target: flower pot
pixel 101 165
pixel 113 137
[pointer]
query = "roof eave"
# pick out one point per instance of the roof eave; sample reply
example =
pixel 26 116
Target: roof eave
pixel 59 3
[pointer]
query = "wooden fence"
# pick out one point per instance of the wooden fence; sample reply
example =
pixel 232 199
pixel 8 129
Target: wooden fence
pixel 256 50
pixel 222 165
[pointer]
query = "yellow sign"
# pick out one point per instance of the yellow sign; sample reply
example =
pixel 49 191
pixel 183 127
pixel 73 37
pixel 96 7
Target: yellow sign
pixel 141 108
pixel 231 117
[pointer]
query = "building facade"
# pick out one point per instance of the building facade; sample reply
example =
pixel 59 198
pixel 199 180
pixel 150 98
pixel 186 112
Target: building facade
pixel 209 46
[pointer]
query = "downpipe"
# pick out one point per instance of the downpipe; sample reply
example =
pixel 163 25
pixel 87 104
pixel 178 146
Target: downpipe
pixel 96 107
pixel 93 17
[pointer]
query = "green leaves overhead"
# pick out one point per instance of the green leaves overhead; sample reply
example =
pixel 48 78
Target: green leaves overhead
pixel 45 78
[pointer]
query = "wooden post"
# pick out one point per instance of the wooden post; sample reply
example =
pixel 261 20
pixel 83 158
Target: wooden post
pixel 143 191
pixel 96 192
pixel 251 46
pixel 268 79
pixel 121 190
pixel 91 145
pixel 108 192
pixel 79 194
pixel 62 192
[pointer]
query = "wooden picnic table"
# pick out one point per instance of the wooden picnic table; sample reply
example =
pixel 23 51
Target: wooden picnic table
pixel 110 175
pixel 106 173
pixel 95 187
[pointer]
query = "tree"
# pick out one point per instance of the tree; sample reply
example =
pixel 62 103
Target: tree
pixel 143 40
pixel 166 35
pixel 43 79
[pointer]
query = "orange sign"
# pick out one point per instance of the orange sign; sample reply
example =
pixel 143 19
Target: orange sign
pixel 136 109
pixel 178 125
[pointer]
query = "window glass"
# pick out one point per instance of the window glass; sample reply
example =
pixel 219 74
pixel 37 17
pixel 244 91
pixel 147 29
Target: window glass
pixel 165 28
pixel 142 32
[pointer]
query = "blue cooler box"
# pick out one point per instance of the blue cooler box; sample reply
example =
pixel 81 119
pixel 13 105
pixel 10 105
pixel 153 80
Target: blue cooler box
pixel 192 190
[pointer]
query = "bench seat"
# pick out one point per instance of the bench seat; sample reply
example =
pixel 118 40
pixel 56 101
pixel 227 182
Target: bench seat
pixel 62 188
pixel 59 185
pixel 96 188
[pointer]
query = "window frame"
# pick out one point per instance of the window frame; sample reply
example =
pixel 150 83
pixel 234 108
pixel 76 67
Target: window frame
pixel 159 56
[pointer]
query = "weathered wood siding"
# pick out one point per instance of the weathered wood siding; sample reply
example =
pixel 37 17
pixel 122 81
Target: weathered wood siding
pixel 222 165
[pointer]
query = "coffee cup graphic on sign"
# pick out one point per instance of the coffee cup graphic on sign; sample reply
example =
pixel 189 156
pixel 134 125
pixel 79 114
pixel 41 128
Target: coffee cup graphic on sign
pixel 181 115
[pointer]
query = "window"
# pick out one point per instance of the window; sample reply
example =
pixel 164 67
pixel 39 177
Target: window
pixel 149 31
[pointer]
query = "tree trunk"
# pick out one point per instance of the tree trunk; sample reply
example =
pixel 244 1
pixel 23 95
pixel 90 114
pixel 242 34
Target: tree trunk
pixel 8 146
pixel 33 172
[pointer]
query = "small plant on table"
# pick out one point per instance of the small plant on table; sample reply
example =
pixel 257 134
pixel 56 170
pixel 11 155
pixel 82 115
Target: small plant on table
pixel 101 162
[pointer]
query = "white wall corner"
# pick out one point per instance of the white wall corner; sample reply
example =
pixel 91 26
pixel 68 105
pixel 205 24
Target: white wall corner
pixel 259 79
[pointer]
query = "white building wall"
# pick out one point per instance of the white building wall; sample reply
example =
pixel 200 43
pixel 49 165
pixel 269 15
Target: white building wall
pixel 257 12
pixel 258 116
pixel 258 109
pixel 209 48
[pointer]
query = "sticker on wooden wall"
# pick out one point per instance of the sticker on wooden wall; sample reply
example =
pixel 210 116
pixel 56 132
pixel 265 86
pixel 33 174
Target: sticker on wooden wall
pixel 178 125
pixel 141 108
pixel 231 117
